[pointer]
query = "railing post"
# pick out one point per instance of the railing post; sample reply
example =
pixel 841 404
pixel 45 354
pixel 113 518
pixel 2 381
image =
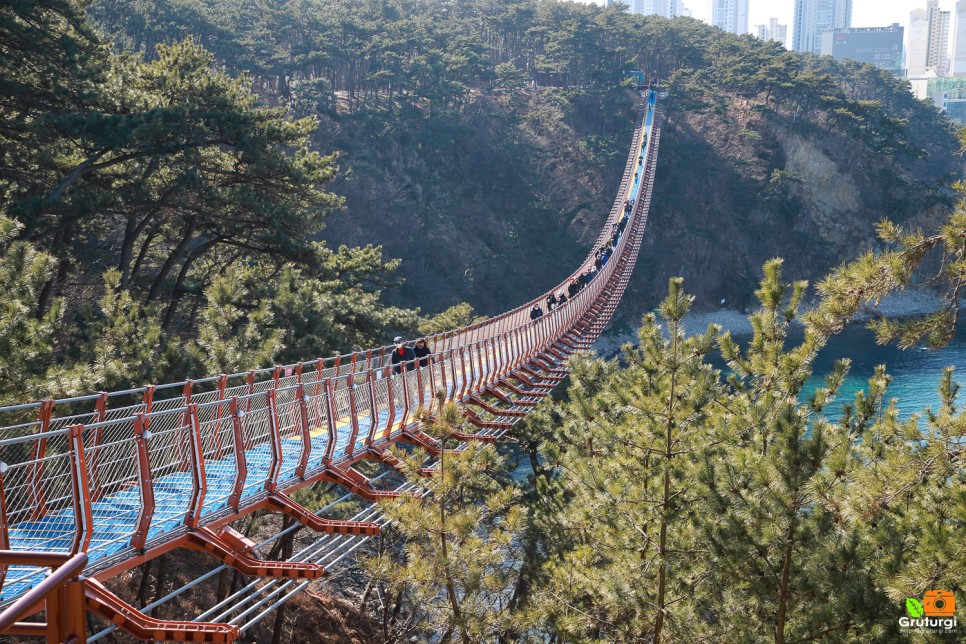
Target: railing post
pixel 78 480
pixel 421 403
pixel 353 411
pixel 4 535
pixel 404 376
pixel 454 395
pixel 431 403
pixel 387 377
pixel 146 512
pixel 464 384
pixel 38 452
pixel 222 385
pixel 490 349
pixel 100 411
pixel 331 412
pixel 66 610
pixel 275 441
pixel 373 406
pixel 182 444
pixel 148 402
pixel 506 346
pixel 477 373
pixel 198 478
pixel 305 432
pixel 241 464
pixel 250 380
pixel 443 361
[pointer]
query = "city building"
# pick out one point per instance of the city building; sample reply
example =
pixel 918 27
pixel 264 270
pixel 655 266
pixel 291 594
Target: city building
pixel 927 54
pixel 959 40
pixel 879 46
pixel 812 17
pixel 947 93
pixel 665 8
pixel 774 31
pixel 730 15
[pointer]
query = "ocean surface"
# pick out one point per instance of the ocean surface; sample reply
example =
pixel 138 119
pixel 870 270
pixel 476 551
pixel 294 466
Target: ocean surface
pixel 915 372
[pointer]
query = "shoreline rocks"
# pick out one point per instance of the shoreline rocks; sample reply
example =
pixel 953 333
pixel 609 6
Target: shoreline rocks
pixel 902 304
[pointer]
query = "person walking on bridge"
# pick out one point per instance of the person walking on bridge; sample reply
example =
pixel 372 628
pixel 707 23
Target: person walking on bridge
pixel 536 312
pixel 422 352
pixel 402 356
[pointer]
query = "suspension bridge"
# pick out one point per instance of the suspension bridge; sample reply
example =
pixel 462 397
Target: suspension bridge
pixel 92 486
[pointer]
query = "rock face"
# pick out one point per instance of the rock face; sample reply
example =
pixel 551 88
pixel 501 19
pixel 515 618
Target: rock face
pixel 736 188
pixel 500 205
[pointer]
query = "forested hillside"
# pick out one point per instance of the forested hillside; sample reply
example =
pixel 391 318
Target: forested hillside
pixel 481 141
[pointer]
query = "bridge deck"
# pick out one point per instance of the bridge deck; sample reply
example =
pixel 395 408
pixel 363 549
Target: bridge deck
pixel 122 476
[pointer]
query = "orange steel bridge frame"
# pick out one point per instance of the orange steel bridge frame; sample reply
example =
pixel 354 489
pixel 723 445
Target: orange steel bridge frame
pixel 307 422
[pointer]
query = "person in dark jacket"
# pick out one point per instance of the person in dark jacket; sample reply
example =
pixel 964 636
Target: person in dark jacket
pixel 536 312
pixel 573 288
pixel 561 299
pixel 422 352
pixel 402 356
pixel 551 302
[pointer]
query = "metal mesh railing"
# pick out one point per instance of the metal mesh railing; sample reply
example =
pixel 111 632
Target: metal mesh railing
pixel 112 470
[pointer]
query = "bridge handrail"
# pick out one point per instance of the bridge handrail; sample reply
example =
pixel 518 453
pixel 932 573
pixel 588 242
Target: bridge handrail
pixel 472 332
pixel 64 568
pixel 66 463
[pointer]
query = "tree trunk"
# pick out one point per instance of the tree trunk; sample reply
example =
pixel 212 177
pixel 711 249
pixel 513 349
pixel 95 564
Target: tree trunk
pixel 176 293
pixel 169 263
pixel 665 509
pixel 783 588
pixel 450 585
pixel 143 587
pixel 159 586
pixel 61 239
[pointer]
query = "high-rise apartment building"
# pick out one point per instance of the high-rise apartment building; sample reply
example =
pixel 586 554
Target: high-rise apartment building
pixel 959 40
pixel 812 17
pixel 666 8
pixel 774 31
pixel 927 54
pixel 730 15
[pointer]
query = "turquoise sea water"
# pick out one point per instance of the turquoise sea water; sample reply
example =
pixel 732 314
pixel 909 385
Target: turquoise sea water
pixel 915 372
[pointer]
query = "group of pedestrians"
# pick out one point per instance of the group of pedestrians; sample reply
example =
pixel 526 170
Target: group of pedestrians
pixel 406 357
pixel 601 256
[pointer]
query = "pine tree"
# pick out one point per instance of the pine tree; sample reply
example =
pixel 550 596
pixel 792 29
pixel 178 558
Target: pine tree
pixel 909 497
pixel 26 342
pixel 460 550
pixel 905 259
pixel 234 332
pixel 787 560
pixel 627 557
pixel 126 346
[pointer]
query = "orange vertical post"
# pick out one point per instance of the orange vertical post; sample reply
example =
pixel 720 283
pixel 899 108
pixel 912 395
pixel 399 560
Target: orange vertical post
pixel 39 450
pixel 146 512
pixel 80 490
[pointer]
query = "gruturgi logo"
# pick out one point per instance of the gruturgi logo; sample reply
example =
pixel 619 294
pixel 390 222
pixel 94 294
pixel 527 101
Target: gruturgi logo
pixel 936 613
